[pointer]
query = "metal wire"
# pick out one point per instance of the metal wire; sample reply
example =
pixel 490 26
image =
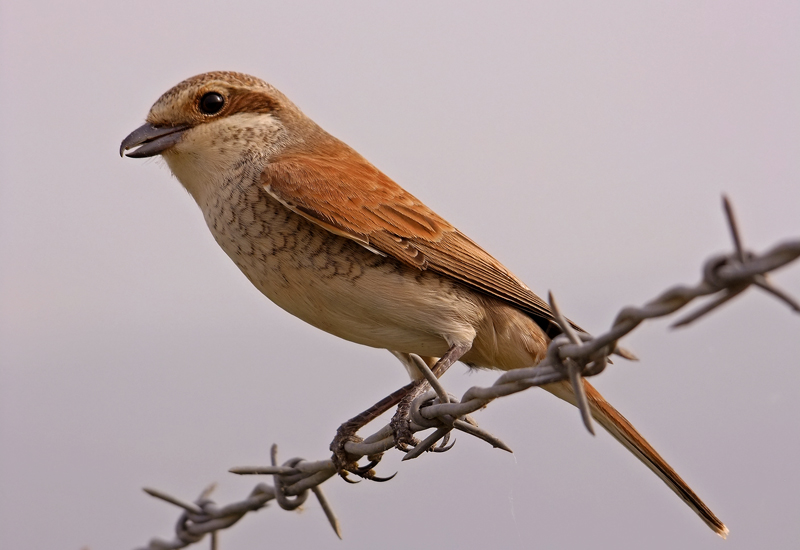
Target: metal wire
pixel 571 356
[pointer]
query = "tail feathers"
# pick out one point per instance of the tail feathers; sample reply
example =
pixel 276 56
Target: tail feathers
pixel 625 433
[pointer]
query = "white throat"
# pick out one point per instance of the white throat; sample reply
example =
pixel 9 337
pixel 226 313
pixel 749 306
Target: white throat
pixel 212 152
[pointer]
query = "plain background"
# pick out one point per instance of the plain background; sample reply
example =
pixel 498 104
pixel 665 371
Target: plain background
pixel 584 144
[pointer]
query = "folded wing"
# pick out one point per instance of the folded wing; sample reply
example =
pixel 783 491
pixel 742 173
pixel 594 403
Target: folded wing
pixel 348 196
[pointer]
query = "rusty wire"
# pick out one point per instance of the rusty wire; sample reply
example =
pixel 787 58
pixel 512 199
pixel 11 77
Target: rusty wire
pixel 570 356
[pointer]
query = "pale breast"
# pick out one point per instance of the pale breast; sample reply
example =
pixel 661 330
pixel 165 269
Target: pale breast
pixel 332 282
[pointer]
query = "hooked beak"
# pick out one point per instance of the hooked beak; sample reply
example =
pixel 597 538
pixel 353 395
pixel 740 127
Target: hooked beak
pixel 154 140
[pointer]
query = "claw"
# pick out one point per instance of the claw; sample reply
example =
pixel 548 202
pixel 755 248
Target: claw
pixel 343 475
pixel 362 470
pixel 443 447
pixel 381 479
pixel 406 445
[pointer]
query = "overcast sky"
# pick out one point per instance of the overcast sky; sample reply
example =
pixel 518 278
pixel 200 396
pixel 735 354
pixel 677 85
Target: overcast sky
pixel 584 144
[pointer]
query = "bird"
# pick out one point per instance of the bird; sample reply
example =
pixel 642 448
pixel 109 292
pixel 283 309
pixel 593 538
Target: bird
pixel 334 241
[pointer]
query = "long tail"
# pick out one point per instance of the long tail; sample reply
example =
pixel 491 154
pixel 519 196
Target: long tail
pixel 625 433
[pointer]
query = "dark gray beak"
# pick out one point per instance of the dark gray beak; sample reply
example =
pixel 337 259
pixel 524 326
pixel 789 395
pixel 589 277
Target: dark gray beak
pixel 154 140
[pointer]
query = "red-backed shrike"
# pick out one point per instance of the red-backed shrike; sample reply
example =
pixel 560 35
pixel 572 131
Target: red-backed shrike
pixel 332 240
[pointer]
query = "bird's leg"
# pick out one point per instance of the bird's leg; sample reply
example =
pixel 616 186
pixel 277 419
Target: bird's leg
pixel 401 421
pixel 347 432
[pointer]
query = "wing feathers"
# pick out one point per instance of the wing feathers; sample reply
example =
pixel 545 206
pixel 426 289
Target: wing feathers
pixel 349 197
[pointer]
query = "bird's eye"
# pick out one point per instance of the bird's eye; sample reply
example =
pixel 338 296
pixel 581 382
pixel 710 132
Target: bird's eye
pixel 211 103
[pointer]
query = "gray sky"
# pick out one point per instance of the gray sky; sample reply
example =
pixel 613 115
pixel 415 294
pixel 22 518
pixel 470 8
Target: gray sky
pixel 584 144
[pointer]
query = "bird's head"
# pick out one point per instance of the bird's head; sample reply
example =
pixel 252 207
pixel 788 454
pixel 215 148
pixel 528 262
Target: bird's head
pixel 210 123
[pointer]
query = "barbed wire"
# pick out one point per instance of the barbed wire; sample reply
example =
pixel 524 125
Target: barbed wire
pixel 570 356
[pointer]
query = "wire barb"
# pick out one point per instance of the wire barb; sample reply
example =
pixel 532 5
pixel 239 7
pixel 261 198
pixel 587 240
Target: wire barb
pixel 573 369
pixel 733 274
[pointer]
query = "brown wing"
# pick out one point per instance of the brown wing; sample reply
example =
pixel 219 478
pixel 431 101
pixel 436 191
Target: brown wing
pixel 345 194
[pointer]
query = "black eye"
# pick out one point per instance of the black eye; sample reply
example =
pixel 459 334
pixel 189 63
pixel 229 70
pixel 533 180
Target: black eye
pixel 211 103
